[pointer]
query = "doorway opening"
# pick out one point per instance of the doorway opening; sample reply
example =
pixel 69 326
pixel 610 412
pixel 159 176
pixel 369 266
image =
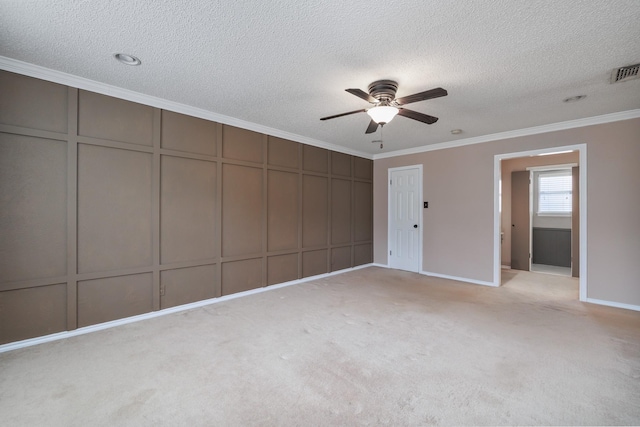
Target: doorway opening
pixel 552 225
pixel 554 212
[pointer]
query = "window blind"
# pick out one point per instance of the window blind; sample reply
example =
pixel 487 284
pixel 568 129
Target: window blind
pixel 554 192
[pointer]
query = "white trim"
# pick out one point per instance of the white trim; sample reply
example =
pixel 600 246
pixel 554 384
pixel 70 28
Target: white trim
pixel 32 70
pixel 582 152
pixel 376 264
pixel 458 279
pixel 497 217
pixel 420 189
pixel 613 304
pixel 107 325
pixel 59 77
pixel 551 167
pixel 505 267
pixel 582 192
pixel 445 276
pixel 553 127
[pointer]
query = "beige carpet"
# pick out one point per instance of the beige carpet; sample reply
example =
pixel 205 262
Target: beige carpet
pixel 368 347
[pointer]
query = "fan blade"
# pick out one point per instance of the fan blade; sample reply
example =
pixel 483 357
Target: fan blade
pixel 343 114
pixel 422 96
pixel 373 126
pixel 417 116
pixel 362 94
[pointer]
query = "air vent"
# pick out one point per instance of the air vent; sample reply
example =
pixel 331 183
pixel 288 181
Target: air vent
pixel 623 74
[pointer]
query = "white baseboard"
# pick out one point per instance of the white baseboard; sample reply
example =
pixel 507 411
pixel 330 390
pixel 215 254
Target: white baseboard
pixel 375 264
pixel 459 279
pixel 505 267
pixel 613 304
pixel 101 326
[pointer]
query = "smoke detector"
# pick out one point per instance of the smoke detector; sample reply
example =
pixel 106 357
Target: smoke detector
pixel 623 74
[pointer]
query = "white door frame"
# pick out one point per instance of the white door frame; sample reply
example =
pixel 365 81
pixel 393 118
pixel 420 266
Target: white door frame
pixel 389 216
pixel 497 175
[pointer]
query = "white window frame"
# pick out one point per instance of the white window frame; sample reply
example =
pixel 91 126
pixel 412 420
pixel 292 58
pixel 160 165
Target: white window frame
pixel 538 175
pixel 551 168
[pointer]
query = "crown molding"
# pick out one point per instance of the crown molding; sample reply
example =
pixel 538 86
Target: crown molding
pixel 32 70
pixel 571 124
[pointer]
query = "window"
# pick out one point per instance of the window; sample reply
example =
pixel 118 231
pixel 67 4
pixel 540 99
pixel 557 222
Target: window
pixel 554 192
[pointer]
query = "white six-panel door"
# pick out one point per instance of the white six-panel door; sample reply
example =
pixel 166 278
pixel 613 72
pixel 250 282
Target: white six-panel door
pixel 405 199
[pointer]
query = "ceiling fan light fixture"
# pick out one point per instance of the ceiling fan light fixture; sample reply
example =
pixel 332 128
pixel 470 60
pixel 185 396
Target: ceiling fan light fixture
pixel 382 114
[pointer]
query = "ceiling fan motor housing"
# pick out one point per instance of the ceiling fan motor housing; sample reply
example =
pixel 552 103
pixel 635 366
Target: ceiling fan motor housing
pixel 383 90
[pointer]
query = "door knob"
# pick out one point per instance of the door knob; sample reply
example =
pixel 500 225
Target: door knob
pixel 415 225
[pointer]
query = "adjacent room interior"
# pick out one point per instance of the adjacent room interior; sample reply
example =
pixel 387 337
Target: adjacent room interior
pixel 211 243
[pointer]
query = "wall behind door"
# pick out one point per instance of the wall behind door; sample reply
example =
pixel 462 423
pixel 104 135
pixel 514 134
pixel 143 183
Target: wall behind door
pixel 112 209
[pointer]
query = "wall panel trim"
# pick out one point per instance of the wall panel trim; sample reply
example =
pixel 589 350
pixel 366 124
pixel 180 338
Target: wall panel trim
pixel 116 210
pixel 88 140
pixel 36 133
pixel 155 202
pixel 72 208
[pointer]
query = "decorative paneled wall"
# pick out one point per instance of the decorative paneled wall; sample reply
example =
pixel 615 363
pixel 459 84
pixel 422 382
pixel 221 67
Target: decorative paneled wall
pixel 111 209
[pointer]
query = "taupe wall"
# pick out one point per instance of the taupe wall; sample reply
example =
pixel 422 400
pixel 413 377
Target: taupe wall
pixel 458 226
pixel 521 164
pixel 112 209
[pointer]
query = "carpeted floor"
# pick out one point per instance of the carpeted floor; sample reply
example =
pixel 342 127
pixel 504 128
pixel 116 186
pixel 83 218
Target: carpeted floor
pixel 368 347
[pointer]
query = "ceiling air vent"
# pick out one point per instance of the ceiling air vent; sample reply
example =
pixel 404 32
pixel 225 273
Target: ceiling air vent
pixel 623 74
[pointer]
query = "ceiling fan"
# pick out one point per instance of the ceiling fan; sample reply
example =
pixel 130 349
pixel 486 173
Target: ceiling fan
pixel 382 94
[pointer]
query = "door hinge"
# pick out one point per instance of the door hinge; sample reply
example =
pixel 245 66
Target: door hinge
pixel 390 182
pixel 390 253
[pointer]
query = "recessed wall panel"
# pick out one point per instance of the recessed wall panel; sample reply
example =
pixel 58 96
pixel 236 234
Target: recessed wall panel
pixel 242 210
pixel 314 263
pixel 363 211
pixel 363 168
pixel 241 144
pixel 114 209
pixel 340 211
pixel 315 220
pixel 165 209
pixel 33 214
pixel 340 258
pixel 187 209
pixel 104 117
pixel 32 103
pixel 282 211
pixel 315 159
pixel 190 134
pixel 282 152
pixel 186 285
pixel 282 268
pixel 239 276
pixel 362 254
pixel 103 300
pixel 32 312
pixel 340 164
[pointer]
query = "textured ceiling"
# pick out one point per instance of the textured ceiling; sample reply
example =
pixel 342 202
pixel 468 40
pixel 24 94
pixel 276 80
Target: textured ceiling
pixel 506 64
